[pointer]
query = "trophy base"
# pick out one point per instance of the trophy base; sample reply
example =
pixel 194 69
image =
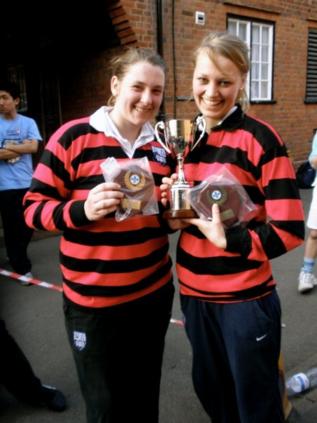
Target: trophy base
pixel 179 214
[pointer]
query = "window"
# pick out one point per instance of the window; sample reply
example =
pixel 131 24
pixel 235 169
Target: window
pixel 311 78
pixel 259 37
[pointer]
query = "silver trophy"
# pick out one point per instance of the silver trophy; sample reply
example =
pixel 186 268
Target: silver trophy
pixel 179 140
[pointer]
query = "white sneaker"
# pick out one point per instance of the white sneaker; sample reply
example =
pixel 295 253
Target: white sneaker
pixel 306 282
pixel 24 281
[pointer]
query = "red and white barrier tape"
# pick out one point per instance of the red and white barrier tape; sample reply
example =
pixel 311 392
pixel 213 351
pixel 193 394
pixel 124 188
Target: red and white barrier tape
pixel 34 281
pixel 55 287
pixel 177 322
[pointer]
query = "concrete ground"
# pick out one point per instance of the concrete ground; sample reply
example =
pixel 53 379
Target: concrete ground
pixel 34 317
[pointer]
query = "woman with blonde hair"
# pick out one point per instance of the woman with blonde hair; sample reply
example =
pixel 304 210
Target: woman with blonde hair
pixel 228 293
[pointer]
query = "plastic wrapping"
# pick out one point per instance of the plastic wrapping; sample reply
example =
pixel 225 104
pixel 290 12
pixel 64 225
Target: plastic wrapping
pixel 225 190
pixel 137 183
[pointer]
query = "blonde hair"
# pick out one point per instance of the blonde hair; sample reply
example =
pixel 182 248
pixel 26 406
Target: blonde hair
pixel 232 48
pixel 120 64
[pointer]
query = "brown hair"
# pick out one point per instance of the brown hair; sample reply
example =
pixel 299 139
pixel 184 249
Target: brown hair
pixel 231 47
pixel 121 64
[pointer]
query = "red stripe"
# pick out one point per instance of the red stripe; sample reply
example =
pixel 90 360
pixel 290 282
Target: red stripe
pixel 97 302
pixel 104 253
pixel 112 279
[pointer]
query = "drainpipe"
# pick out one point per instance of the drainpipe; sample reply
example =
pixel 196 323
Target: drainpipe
pixel 159 27
pixel 159 43
pixel 174 59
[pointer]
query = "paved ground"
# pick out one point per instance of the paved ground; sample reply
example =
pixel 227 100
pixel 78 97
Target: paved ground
pixel 35 318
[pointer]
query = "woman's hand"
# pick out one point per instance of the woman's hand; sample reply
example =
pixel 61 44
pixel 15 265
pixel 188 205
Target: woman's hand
pixel 102 200
pixel 212 229
pixel 165 198
pixel 165 188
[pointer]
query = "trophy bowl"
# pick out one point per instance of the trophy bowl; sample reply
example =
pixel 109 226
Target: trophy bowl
pixel 179 139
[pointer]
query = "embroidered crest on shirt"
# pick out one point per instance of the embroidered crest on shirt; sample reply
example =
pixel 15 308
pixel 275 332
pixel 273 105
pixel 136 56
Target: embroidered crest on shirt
pixel 79 339
pixel 159 155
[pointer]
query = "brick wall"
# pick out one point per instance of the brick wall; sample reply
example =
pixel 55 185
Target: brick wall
pixel 291 117
pixel 86 89
pixel 135 22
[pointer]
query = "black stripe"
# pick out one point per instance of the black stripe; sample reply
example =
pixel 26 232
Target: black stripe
pixel 255 194
pixel 279 150
pixel 264 136
pixel 58 217
pixel 37 222
pixel 76 131
pixel 87 182
pixel 45 190
pixel 96 153
pixel 277 189
pixel 226 155
pixel 113 238
pixel 53 162
pixel 272 244
pixel 294 227
pixel 114 266
pixel 215 265
pixel 116 291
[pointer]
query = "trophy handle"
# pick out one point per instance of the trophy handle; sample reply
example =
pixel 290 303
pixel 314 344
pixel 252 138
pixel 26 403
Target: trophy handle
pixel 200 120
pixel 161 125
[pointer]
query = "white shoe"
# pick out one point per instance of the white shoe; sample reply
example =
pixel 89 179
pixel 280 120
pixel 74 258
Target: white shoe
pixel 306 282
pixel 24 281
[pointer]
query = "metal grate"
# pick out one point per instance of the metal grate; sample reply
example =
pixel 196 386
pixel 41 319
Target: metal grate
pixel 311 79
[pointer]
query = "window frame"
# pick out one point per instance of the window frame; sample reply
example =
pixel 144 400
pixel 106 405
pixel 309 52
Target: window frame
pixel 250 24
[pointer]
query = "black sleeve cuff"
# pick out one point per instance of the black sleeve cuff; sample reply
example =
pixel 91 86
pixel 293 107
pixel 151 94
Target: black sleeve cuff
pixel 238 241
pixel 77 213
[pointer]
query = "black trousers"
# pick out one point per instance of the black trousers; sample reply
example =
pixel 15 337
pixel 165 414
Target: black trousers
pixel 236 348
pixel 16 373
pixel 17 235
pixel 118 353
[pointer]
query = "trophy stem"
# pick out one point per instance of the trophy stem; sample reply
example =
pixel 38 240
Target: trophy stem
pixel 180 172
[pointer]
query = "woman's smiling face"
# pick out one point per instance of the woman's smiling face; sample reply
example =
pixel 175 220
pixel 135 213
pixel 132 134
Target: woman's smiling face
pixel 139 94
pixel 217 84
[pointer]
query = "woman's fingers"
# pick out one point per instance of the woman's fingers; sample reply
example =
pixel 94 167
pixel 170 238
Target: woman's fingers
pixel 102 200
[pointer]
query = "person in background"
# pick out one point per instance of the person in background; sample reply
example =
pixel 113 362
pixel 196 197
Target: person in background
pixel 19 138
pixel 231 309
pixel 117 278
pixel 18 377
pixel 306 279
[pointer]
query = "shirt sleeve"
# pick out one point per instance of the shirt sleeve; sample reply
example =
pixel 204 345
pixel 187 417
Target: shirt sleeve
pixel 279 226
pixel 50 203
pixel 33 132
